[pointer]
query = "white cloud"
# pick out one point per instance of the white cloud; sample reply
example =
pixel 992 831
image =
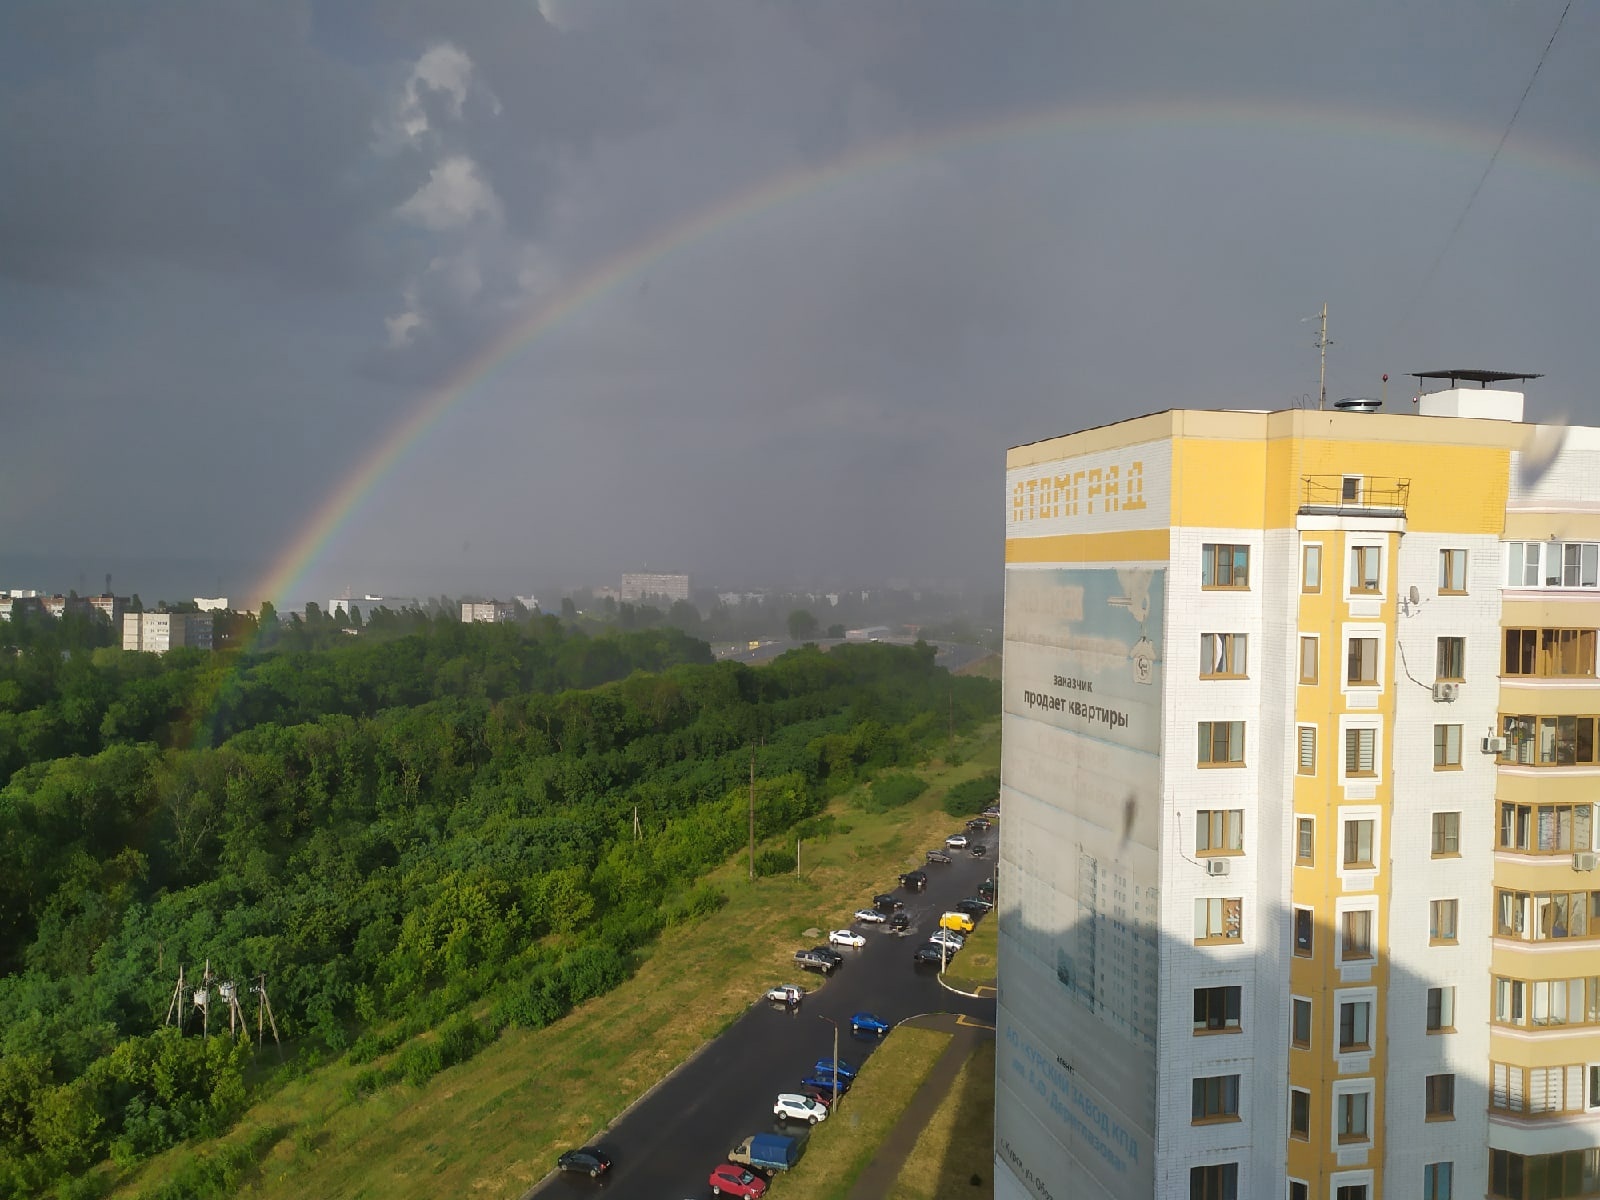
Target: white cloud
pixel 444 73
pixel 455 195
pixel 560 14
pixel 401 327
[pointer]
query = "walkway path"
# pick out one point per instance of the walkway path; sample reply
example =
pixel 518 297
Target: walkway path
pixel 967 1034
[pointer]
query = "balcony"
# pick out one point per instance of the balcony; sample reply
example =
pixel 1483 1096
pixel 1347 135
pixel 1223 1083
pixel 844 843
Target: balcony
pixel 1354 496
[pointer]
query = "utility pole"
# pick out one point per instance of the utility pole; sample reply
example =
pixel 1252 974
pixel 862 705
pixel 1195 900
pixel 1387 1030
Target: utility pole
pixel 177 1001
pixel 835 1025
pixel 1322 349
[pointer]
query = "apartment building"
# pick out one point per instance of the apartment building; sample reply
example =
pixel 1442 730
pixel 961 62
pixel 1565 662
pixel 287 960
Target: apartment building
pixel 1297 868
pixel 646 585
pixel 490 611
pixel 159 632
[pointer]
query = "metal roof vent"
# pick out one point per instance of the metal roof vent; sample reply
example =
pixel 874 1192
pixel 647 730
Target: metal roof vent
pixel 1358 404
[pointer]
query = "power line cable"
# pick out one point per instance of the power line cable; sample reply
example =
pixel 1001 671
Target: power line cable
pixel 1438 261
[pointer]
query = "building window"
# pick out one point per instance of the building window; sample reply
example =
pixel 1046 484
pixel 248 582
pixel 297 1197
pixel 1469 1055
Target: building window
pixel 1553 564
pixel 1299 1114
pixel 1547 1003
pixel 1442 922
pixel 1300 1022
pixel 1306 764
pixel 1217 919
pixel 1299 1189
pixel 1365 570
pixel 1355 934
pixel 1551 653
pixel 1350 489
pixel 1305 841
pixel 1222 743
pixel 1302 933
pixel 1546 916
pixel 1537 1091
pixel 1311 567
pixel 1355 1025
pixel 1452 572
pixel 1308 659
pixel 1351 1117
pixel 1436 1181
pixel 1351 1191
pixel 1441 1010
pixel 1441 1097
pixel 1451 660
pixel 1216 1009
pixel 1361 662
pixel 1222 655
pixel 1548 741
pixel 1215 1181
pixel 1446 834
pixel 1219 831
pixel 1446 747
pixel 1360 753
pixel 1215 1098
pixel 1358 843
pixel 1224 566
pixel 1546 828
pixel 1594 1087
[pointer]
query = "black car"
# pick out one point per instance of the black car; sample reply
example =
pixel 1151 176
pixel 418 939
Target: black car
pixel 587 1161
pixel 914 881
pixel 819 959
pixel 899 922
pixel 887 902
pixel 927 956
pixel 979 849
pixel 986 889
pixel 829 953
pixel 973 907
pixel 977 824
pixel 939 856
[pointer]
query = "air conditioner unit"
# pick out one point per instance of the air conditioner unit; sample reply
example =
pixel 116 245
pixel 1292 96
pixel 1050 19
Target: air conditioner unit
pixel 1218 866
pixel 1586 860
pixel 1446 691
pixel 1494 745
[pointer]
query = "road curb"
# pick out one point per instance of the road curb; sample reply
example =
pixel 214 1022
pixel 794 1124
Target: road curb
pixel 970 995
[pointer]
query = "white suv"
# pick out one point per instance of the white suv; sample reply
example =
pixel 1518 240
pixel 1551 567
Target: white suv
pixel 792 1107
pixel 956 841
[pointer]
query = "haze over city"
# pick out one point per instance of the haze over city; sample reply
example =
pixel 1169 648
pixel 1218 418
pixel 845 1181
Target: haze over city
pixel 423 297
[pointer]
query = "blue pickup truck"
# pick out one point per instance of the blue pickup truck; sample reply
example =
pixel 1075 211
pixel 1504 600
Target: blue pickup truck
pixel 766 1152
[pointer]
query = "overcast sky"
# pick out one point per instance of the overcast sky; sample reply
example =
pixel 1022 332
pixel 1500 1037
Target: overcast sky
pixel 241 244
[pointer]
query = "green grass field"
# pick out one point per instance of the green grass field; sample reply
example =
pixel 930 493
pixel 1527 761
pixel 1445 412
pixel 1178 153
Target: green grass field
pixel 493 1125
pixel 954 1156
pixel 975 966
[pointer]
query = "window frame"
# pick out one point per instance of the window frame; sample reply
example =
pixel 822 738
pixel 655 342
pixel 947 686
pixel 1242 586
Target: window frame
pixel 1366 915
pixel 1214 1181
pixel 1311 559
pixel 1207 744
pixel 1210 1096
pixel 1447 756
pixel 1236 1025
pixel 1432 1187
pixel 1439 1096
pixel 1303 947
pixel 1305 765
pixel 1450 658
pixel 1447 832
pixel 1369 862
pixel 1345 1093
pixel 1358 572
pixel 1305 848
pixel 1231 645
pixel 1445 1008
pixel 1229 822
pixel 1301 1131
pixel 1209 934
pixel 1363 652
pixel 1211 559
pixel 1452 571
pixel 1354 736
pixel 1444 921
pixel 1313 643
pixel 1297 1006
pixel 1362 999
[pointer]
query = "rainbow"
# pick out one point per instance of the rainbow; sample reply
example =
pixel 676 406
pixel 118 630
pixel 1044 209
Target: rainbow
pixel 302 552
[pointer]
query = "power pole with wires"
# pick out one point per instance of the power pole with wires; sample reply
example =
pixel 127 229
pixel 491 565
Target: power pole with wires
pixel 1322 343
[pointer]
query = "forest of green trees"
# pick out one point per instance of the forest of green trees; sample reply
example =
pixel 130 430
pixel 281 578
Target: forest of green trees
pixel 393 832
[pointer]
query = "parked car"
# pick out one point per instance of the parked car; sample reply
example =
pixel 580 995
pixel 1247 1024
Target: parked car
pixel 959 921
pixel 914 881
pixel 829 953
pixel 947 937
pixel 899 922
pixel 865 1022
pixel 586 1161
pixel 846 937
pixel 812 961
pixel 929 956
pixel 839 1065
pixel 992 812
pixel 870 916
pixel 792 1106
pixel 824 1080
pixel 956 841
pixel 823 1096
pixel 787 993
pixel 766 1152
pixel 887 902
pixel 973 906
pixel 939 856
pixel 986 889
pixel 978 825
pixel 979 849
pixel 736 1181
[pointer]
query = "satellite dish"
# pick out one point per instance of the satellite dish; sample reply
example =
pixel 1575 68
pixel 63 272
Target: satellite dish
pixel 1413 595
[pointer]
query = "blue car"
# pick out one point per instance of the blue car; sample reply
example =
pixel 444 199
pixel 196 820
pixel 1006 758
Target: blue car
pixel 823 1081
pixel 825 1065
pixel 865 1022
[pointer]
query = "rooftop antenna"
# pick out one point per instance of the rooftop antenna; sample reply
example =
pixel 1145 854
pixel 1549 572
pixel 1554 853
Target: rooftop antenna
pixel 1322 344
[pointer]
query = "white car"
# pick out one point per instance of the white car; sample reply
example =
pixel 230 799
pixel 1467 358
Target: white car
pixel 792 1107
pixel 846 937
pixel 956 841
pixel 948 938
pixel 870 916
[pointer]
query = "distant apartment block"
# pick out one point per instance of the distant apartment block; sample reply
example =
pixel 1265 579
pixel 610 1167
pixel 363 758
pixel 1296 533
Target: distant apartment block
pixel 531 603
pixel 491 611
pixel 644 585
pixel 368 603
pixel 211 603
pixel 159 632
pixel 20 601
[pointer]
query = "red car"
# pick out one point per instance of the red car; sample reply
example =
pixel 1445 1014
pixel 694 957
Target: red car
pixel 736 1181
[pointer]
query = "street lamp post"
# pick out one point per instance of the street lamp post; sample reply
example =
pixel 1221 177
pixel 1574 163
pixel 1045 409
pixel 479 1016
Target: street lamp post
pixel 835 1025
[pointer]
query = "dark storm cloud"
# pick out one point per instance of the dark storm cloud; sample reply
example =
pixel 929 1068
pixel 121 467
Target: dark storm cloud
pixel 273 231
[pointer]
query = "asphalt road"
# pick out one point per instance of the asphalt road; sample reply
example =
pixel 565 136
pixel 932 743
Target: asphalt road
pixel 666 1145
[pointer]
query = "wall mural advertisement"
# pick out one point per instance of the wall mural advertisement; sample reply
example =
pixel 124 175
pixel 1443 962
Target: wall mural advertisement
pixel 1080 871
